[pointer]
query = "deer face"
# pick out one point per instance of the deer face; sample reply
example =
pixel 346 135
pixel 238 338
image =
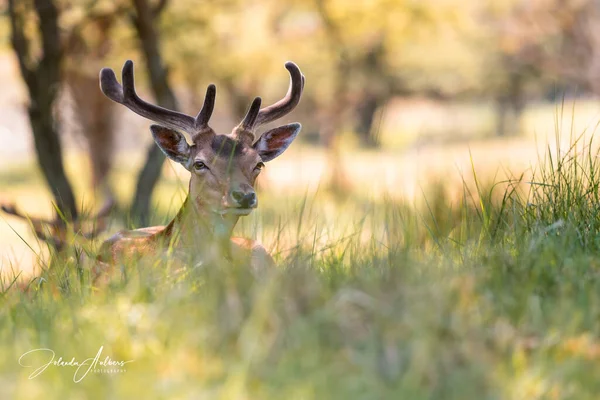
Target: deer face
pixel 223 173
pixel 223 168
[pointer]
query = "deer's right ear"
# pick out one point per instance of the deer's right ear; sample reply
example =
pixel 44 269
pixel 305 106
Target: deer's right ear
pixel 172 143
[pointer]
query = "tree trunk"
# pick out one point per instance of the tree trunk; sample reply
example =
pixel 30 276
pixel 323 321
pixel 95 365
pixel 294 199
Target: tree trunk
pixel 335 114
pixel 376 90
pixel 148 177
pixel 509 107
pixel 95 119
pixel 49 156
pixel 93 112
pixel 43 81
pixel 517 101
pixel 367 124
pixel 501 116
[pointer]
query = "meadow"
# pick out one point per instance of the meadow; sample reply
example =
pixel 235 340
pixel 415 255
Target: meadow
pixel 473 282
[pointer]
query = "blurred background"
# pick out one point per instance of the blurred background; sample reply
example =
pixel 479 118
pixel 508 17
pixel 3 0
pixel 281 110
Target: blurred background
pixel 399 94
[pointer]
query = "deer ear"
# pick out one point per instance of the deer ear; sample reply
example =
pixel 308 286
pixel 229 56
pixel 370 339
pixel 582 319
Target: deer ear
pixel 274 142
pixel 172 143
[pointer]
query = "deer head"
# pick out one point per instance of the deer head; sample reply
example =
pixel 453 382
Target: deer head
pixel 223 167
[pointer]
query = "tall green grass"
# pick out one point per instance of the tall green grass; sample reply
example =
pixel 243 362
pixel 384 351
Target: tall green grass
pixel 492 295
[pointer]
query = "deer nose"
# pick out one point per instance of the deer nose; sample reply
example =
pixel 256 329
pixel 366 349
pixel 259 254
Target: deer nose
pixel 244 199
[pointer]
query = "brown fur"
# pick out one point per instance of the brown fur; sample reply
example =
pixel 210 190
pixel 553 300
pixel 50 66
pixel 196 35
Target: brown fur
pixel 223 171
pixel 230 166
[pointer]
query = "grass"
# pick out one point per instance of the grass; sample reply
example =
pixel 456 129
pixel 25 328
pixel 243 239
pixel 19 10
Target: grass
pixel 495 294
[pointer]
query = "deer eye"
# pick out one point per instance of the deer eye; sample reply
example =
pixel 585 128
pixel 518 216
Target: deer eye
pixel 199 165
pixel 259 166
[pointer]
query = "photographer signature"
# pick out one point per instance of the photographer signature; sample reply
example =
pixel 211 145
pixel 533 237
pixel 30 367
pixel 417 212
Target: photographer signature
pixel 83 368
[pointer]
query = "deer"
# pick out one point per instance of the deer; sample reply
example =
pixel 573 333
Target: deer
pixel 223 170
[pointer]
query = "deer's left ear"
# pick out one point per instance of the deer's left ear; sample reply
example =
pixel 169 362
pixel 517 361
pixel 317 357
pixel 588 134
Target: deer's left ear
pixel 172 143
pixel 274 142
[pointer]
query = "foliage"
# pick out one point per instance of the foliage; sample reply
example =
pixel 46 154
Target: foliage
pixel 493 297
pixel 355 52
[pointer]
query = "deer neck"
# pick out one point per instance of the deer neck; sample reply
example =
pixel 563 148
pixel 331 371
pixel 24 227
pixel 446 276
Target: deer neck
pixel 196 227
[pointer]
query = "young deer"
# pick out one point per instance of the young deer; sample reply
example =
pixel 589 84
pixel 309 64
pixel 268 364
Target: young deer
pixel 223 171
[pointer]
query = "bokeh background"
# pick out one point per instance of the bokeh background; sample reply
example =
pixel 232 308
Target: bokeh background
pixel 435 225
pixel 400 95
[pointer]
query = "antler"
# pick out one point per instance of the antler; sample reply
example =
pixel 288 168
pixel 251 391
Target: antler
pixel 289 102
pixel 257 117
pixel 245 130
pixel 127 96
pixel 58 228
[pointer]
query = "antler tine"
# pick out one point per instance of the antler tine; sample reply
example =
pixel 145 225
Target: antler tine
pixel 97 228
pixel 11 209
pixel 289 102
pixel 54 241
pixel 250 119
pixel 54 231
pixel 207 108
pixel 38 225
pixel 127 96
pixel 99 219
pixel 104 211
pixel 106 208
pixel 245 130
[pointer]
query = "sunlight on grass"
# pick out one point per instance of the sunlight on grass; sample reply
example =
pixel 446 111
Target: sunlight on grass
pixel 485 288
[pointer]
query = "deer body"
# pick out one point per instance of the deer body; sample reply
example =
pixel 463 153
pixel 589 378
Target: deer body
pixel 223 170
pixel 185 237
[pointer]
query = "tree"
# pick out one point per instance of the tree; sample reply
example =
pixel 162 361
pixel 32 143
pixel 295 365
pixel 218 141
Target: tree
pixel 144 22
pixel 368 44
pixel 576 58
pixel 530 46
pixel 87 42
pixel 42 78
pixel 514 58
